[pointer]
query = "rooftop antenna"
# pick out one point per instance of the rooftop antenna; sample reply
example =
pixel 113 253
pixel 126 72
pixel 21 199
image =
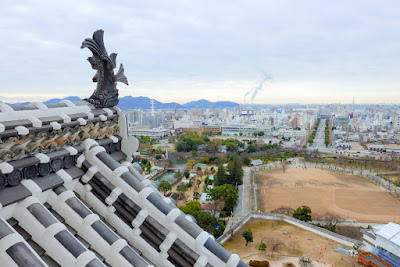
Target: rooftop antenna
pixel 152 107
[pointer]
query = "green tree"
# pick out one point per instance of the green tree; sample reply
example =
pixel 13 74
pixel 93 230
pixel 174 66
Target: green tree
pixel 191 207
pixel 235 172
pixel 206 180
pixel 262 247
pixel 246 161
pixel 178 175
pixel 158 157
pixel 204 219
pixel 205 160
pixel 303 213
pixel 182 188
pixel 224 194
pixel 165 186
pixel 251 148
pixel 148 166
pixel 186 173
pixel 247 235
pixel 191 163
pixel 145 140
pixel 220 176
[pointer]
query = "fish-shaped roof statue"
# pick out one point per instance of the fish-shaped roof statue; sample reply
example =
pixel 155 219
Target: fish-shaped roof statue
pixel 106 93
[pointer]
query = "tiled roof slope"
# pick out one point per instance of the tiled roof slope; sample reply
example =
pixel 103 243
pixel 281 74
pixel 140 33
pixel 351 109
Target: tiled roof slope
pixel 71 196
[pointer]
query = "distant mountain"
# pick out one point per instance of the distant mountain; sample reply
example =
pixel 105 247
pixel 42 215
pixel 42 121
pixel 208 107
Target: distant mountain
pixel 18 103
pixel 56 100
pixel 142 102
pixel 225 104
pixel 202 103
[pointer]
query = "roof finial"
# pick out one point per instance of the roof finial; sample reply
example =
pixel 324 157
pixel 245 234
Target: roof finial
pixel 106 93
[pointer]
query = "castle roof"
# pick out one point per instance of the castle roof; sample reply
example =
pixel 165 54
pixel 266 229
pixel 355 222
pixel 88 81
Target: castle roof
pixel 70 195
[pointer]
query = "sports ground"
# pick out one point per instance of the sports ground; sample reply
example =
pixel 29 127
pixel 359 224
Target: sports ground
pixel 346 195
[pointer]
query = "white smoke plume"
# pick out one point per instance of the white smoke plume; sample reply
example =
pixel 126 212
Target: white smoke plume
pixel 259 87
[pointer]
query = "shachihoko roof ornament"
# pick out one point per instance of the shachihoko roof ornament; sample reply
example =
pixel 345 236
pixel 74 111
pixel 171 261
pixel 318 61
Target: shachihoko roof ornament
pixel 106 93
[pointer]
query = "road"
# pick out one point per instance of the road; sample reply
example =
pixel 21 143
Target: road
pixel 243 207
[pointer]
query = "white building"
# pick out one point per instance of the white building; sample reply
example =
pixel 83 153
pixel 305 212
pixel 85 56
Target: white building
pixel 134 117
pixel 396 121
pixel 290 133
pixel 245 130
pixel 156 133
pixel 383 241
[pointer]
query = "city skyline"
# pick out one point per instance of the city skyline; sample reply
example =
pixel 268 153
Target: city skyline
pixel 180 52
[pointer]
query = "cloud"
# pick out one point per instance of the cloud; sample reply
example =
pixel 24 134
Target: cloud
pixel 170 49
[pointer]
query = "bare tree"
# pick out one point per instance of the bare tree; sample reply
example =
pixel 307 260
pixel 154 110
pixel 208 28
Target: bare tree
pixel 294 244
pixel 332 220
pixel 284 167
pixel 284 210
pixel 275 243
pixel 350 231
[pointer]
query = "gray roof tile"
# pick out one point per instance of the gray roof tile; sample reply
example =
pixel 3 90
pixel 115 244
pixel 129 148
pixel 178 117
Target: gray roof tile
pixel 189 227
pixel 105 232
pixel 50 181
pixel 94 263
pixel 159 203
pixel 217 249
pixel 108 160
pixel 78 207
pixel 10 195
pixel 4 229
pixel 70 243
pixel 24 162
pixel 22 232
pixel 133 258
pixel 132 181
pixel 42 214
pixel 23 256
pixel 49 261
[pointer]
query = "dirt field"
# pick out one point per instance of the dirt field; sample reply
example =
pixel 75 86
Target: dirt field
pixel 319 249
pixel 348 196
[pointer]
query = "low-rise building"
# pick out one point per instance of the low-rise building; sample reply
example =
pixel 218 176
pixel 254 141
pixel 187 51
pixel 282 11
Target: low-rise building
pixel 211 128
pixel 340 121
pixel 291 133
pixel 384 242
pixel 256 162
pixel 245 130
pixel 156 133
pixel 343 145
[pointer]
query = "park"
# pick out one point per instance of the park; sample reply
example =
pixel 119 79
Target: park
pixel 346 195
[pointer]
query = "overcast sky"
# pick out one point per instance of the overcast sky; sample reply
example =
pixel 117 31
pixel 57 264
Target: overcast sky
pixel 178 51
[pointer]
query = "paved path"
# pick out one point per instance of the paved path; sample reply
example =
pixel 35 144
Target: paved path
pixel 243 207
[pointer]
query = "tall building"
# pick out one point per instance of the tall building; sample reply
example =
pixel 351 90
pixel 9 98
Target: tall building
pixel 396 121
pixel 134 117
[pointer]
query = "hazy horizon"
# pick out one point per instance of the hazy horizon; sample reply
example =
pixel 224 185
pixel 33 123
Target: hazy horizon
pixel 305 52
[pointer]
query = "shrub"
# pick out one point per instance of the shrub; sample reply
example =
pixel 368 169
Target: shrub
pixel 259 263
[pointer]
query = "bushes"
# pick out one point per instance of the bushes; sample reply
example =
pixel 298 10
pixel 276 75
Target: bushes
pixel 259 263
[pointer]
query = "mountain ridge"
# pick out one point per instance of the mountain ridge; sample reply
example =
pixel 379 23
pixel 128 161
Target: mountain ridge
pixel 143 102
